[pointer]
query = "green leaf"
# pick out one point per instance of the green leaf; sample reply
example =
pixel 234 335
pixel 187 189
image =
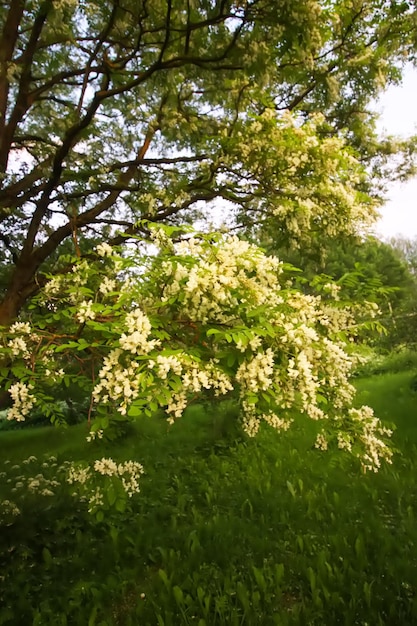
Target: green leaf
pixel 178 595
pixel 47 557
pixel 135 410
pixel 163 576
pixel 291 489
pixel 231 359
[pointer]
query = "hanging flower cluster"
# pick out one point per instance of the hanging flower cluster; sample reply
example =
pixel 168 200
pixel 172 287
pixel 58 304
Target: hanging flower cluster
pixel 211 316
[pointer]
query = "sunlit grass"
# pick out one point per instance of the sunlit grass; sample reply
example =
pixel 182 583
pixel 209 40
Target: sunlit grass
pixel 226 530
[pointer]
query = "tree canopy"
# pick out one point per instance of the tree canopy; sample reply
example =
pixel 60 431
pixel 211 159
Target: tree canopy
pixel 117 112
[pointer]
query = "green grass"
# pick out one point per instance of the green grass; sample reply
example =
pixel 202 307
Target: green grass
pixel 226 531
pixel 392 399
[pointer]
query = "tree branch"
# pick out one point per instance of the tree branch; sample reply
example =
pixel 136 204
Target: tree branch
pixel 23 100
pixel 7 44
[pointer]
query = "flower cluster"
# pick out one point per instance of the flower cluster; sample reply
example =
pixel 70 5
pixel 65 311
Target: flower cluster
pixel 136 340
pixel 9 508
pixel 104 250
pixel 371 434
pixel 318 187
pixel 107 286
pixel 124 479
pixel 85 311
pixel 95 434
pixel 19 347
pixel 23 401
pixel 22 336
pixel 41 478
pixel 194 380
pixel 221 278
pixel 256 374
pixel 119 382
pixel 129 472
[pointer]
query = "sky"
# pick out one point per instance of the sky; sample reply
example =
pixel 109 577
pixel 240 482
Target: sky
pixel 398 108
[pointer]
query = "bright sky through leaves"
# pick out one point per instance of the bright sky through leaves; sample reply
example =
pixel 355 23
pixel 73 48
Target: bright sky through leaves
pixel 399 117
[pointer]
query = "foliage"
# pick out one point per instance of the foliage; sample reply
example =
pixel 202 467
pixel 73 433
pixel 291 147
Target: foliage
pixel 363 269
pixel 263 531
pixel 370 269
pixel 207 317
pixel 375 362
pixel 204 102
pixel 406 249
pixel 405 328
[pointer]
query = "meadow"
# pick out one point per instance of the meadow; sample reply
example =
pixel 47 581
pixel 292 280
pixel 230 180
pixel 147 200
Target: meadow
pixel 226 530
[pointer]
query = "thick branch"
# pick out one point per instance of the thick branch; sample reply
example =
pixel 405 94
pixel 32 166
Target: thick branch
pixel 23 100
pixel 71 138
pixel 7 44
pixel 89 216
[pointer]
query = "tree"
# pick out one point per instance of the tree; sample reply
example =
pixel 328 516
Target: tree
pixel 406 323
pixel 364 269
pixel 406 250
pixel 118 111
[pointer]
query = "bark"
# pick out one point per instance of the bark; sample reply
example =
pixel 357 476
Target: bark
pixel 22 285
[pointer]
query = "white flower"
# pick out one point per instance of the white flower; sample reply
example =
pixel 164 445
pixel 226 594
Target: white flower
pixel 85 312
pixel 18 347
pixel 107 286
pixel 96 500
pixel 104 249
pixel 10 508
pixel 106 467
pixel 23 401
pixel 95 433
pixel 321 442
pixel 53 286
pixel 20 327
pixel 78 475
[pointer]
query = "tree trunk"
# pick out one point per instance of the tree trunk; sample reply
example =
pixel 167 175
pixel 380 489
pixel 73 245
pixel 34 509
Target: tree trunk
pixel 10 307
pixel 22 286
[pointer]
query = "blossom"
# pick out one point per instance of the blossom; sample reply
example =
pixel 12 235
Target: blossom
pixel 78 475
pixel 23 328
pixel 255 374
pixel 23 401
pixel 8 507
pixel 85 311
pixel 321 442
pixel 205 317
pixel 96 499
pixel 166 364
pixel 107 286
pixel 129 472
pixel 104 249
pixel 106 467
pixel 18 347
pixel 139 328
pixel 53 286
pixel 95 433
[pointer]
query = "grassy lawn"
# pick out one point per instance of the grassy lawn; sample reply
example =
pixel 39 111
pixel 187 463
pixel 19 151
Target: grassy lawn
pixel 226 530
